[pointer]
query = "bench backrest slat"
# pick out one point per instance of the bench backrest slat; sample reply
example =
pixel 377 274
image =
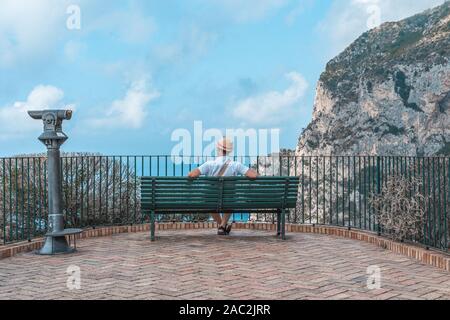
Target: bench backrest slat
pixel 227 193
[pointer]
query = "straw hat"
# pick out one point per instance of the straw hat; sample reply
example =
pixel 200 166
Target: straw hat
pixel 225 145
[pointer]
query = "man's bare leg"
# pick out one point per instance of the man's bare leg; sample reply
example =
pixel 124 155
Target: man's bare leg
pixel 217 218
pixel 225 219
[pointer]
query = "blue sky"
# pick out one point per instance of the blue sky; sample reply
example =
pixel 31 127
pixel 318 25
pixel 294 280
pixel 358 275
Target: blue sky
pixel 137 70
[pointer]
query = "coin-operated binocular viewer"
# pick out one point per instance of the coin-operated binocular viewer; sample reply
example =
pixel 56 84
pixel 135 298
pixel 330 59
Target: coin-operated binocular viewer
pixel 53 137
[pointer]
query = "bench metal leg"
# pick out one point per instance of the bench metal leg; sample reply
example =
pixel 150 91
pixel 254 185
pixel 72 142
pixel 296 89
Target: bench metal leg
pixel 283 224
pixel 152 225
pixel 278 223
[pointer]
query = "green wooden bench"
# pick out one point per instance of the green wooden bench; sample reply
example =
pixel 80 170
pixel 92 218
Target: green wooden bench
pixel 169 195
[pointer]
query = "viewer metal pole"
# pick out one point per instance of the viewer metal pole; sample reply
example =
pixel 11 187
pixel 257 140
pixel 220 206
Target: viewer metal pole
pixel 53 138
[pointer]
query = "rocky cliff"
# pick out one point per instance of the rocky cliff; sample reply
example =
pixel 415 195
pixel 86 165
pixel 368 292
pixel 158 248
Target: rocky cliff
pixel 388 93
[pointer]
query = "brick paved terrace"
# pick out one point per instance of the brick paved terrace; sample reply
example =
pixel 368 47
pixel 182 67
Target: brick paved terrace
pixel 197 264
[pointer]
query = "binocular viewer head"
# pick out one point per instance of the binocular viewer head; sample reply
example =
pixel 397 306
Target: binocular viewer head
pixel 56 115
pixel 52 119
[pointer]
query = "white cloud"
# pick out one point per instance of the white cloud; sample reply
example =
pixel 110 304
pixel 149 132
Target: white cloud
pixel 30 29
pixel 347 20
pixel 14 118
pixel 131 110
pixel 272 107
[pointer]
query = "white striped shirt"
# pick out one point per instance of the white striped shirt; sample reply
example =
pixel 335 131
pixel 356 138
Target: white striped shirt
pixel 212 168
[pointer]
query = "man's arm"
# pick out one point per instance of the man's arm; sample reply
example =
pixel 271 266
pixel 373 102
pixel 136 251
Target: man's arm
pixel 202 170
pixel 251 174
pixel 246 171
pixel 194 174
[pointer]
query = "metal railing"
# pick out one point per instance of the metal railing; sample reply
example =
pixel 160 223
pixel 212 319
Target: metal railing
pixel 334 190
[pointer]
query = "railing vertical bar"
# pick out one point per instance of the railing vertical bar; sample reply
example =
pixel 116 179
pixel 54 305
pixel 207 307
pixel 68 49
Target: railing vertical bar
pixel 17 199
pixel 397 166
pixel 295 174
pixel 354 191
pixel 127 195
pixel 386 170
pixel 424 185
pixel 34 197
pixel 390 164
pixel 360 192
pixel 310 188
pixel 28 200
pixel 72 207
pixel 257 165
pixel 439 211
pixel 114 189
pixel 303 189
pixel 369 169
pixel 165 166
pixel 120 187
pixel 150 165
pixel 106 187
pixel 434 202
pixel 65 186
pixel 88 160
pixel 295 165
pixel 331 190
pixel 182 165
pixel 45 193
pixel 288 166
pixel 429 201
pixel 317 190
pixel 22 195
pixel 419 193
pixel 82 176
pixel 412 188
pixel 365 192
pixel 375 188
pixel 174 168
pixel 408 166
pixel 143 174
pixel 343 191
pixel 378 187
pixel 40 192
pixel 157 165
pixel 135 190
pixel 416 173
pixel 385 179
pixel 10 200
pixel 4 199
pixel 401 166
pixel 337 190
pixel 94 179
pixel 324 186
pixel 100 176
pixel 281 164
pixel 349 198
pixel 447 195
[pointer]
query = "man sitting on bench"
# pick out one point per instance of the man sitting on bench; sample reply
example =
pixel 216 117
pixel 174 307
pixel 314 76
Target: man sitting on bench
pixel 223 166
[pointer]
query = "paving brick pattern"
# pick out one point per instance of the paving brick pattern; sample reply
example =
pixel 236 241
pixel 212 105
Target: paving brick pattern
pixel 197 264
